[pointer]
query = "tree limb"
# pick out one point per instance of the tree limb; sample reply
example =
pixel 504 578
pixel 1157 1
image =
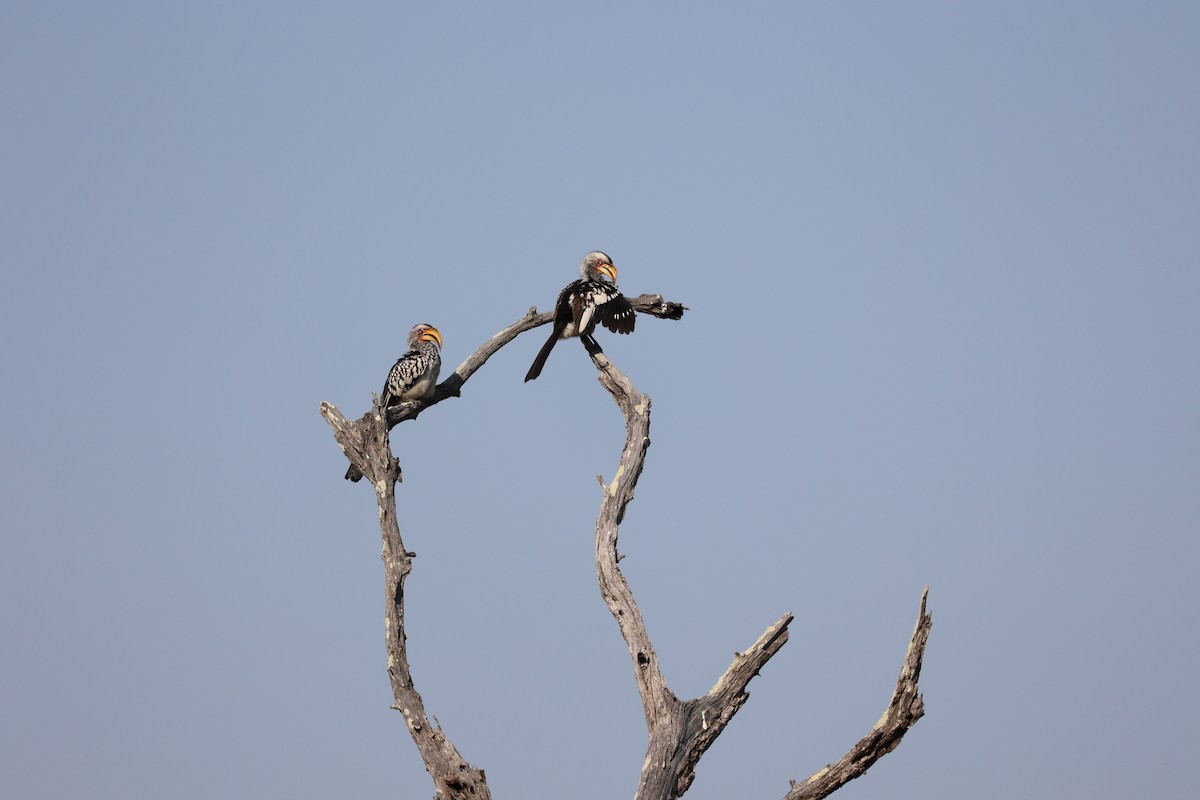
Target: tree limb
pixel 365 443
pixel 652 304
pixel 680 731
pixel 907 706
pixel 453 777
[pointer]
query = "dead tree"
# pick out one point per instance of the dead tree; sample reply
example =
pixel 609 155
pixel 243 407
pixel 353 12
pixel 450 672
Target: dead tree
pixel 680 731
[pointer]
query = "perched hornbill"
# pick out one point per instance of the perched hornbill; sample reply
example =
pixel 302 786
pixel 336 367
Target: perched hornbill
pixel 413 376
pixel 585 302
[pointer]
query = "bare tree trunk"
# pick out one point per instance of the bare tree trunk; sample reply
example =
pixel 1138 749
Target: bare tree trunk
pixel 365 443
pixel 679 731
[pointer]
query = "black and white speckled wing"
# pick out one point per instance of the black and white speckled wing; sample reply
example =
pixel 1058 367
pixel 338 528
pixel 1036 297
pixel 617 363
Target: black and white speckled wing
pixel 413 376
pixel 595 302
pixel 580 307
pixel 616 313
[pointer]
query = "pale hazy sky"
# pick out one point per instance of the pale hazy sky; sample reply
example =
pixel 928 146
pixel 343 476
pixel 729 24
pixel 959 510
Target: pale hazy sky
pixel 943 265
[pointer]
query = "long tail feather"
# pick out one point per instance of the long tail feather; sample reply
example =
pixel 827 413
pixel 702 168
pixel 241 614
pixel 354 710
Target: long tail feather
pixel 542 355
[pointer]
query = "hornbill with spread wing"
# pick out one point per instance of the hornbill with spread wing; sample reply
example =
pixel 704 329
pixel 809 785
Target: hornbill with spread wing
pixel 585 302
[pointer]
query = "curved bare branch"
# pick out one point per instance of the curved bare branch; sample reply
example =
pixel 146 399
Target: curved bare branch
pixel 453 777
pixel 651 304
pixel 906 707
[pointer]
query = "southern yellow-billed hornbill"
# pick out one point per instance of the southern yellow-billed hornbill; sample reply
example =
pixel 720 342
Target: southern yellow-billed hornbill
pixel 413 376
pixel 585 302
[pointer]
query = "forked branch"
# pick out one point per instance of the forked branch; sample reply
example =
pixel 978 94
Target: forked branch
pixel 680 731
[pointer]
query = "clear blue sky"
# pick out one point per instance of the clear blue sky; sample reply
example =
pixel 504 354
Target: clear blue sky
pixel 943 264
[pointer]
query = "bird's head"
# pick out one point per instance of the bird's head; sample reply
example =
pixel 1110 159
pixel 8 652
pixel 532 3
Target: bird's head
pixel 597 265
pixel 424 333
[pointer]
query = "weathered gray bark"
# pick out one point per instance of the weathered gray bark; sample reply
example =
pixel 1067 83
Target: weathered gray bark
pixel 679 731
pixel 907 706
pixel 651 304
pixel 365 443
pixel 453 777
